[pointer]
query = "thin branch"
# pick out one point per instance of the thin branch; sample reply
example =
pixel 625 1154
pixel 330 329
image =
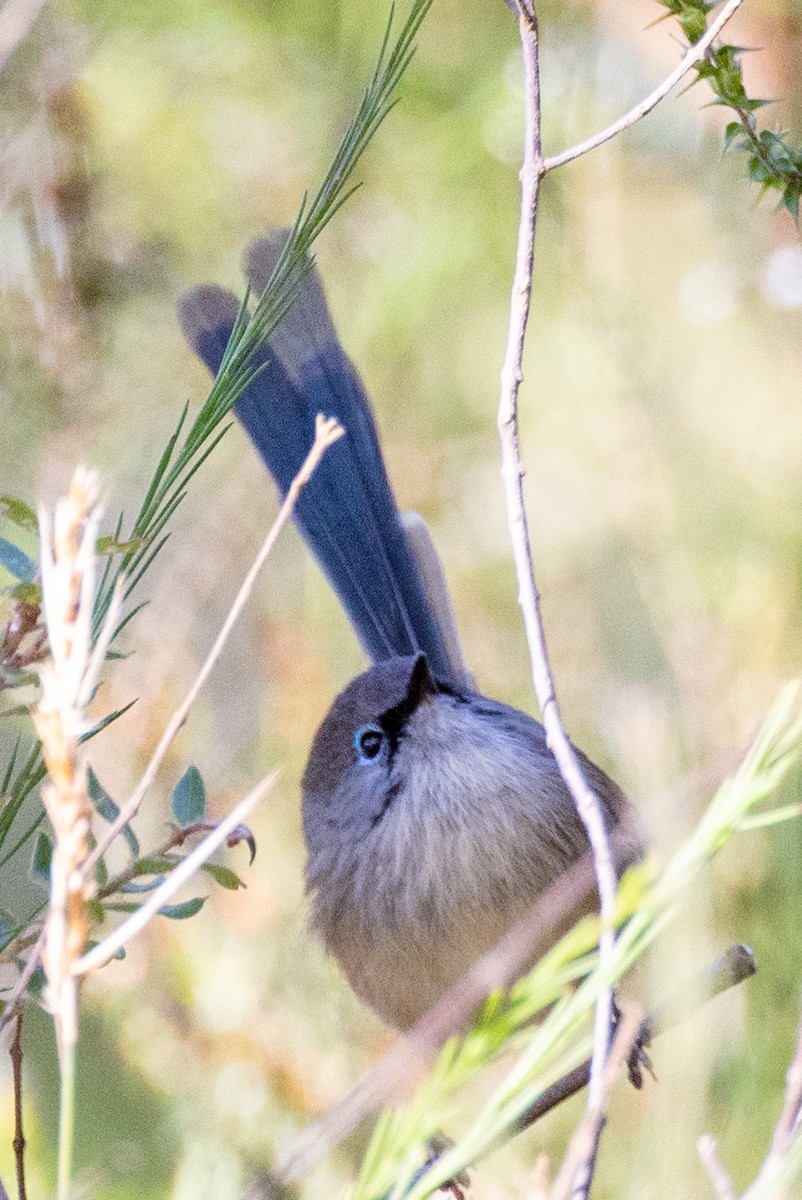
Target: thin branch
pixel 19 1134
pixel 103 951
pixel 576 1171
pixel 686 64
pixel 716 1171
pixel 587 803
pixel 787 1137
pixel 736 965
pixel 18 991
pixel 327 431
pixel 792 1105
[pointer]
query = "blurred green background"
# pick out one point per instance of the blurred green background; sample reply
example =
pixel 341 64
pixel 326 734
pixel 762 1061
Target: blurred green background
pixel 143 144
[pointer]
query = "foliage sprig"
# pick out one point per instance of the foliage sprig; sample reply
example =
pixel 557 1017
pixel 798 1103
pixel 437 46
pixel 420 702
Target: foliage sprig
pixel 774 162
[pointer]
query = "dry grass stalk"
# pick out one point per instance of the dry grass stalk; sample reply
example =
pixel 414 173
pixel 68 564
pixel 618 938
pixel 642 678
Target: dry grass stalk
pixel 68 681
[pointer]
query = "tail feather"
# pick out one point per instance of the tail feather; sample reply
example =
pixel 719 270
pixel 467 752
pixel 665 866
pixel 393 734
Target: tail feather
pixel 347 512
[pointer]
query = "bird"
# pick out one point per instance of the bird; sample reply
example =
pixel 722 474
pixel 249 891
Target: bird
pixel 434 816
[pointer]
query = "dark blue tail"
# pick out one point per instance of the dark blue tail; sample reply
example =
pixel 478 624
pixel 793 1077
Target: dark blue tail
pixel 347 513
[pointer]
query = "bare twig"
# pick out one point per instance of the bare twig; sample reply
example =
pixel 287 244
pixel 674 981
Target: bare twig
pixel 576 1171
pixel 792 1106
pixel 586 801
pixel 686 64
pixel 18 991
pixel 327 431
pixel 19 1134
pixel 103 951
pixel 716 1171
pixel 785 1155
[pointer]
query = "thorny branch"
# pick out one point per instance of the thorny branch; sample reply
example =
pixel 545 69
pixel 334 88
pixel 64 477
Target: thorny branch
pixel 686 64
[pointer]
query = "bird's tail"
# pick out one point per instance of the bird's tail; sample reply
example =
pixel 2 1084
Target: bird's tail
pixel 346 513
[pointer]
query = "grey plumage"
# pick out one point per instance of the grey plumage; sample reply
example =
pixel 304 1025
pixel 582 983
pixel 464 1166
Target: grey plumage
pixel 434 817
pixel 421 858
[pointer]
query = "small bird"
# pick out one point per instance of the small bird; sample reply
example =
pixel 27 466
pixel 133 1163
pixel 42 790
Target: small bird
pixel 434 817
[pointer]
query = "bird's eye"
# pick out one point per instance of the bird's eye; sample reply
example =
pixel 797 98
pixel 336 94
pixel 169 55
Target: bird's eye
pixel 368 742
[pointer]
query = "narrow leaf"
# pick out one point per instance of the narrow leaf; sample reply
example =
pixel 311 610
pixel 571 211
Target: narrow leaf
pixel 42 856
pixel 19 512
pixel 180 912
pixel 15 562
pixel 224 876
pixel 8 928
pixel 108 809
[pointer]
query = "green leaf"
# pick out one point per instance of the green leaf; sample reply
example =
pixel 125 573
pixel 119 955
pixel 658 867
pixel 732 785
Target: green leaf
pixel 15 562
pixel 734 130
pixel 148 886
pixel 224 876
pixel 108 544
pixel 27 593
pixel 9 928
pixel 189 798
pixel 758 171
pixel 20 513
pixel 36 986
pixel 151 865
pixel 107 720
pixel 120 953
pixel 101 870
pixel 42 855
pixel 107 808
pixel 693 24
pixel 180 912
pixel 790 199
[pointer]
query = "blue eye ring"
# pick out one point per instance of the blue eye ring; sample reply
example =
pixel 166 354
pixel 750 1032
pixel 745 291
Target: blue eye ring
pixel 369 742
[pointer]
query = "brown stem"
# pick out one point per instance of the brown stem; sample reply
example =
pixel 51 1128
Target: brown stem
pixel 19 1135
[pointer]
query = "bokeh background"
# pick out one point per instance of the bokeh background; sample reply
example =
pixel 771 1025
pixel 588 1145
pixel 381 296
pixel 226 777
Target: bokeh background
pixel 142 145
